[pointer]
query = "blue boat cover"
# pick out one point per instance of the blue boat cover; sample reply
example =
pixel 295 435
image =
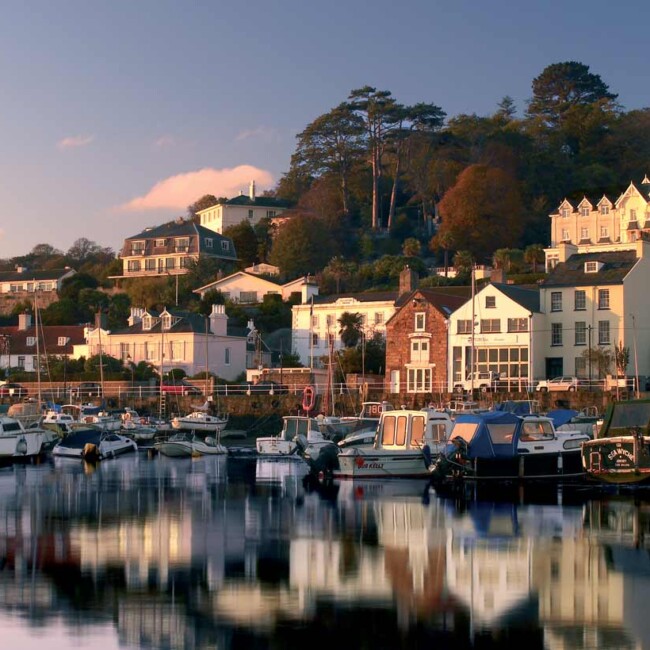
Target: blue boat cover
pixel 496 435
pixel 561 416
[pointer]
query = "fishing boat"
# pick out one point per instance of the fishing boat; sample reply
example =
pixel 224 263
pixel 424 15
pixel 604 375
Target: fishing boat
pixel 502 446
pixel 620 452
pixel 200 421
pixel 92 443
pixel 17 442
pixel 403 446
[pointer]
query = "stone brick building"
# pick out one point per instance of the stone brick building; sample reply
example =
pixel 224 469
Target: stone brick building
pixel 416 339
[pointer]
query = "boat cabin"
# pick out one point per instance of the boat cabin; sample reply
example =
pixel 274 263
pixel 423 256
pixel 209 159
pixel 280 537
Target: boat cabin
pixel 412 429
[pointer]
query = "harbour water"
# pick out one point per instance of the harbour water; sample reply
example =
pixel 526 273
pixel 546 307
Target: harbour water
pixel 217 552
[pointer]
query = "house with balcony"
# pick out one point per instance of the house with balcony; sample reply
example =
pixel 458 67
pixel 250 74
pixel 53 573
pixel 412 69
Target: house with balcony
pixel 172 339
pixel 495 332
pixel 416 340
pixel 20 348
pixel 602 222
pixel 248 288
pixel 169 249
pixel 594 301
pixel 250 208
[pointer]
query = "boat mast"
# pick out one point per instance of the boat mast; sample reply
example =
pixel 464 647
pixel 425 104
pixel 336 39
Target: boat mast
pixel 38 350
pixel 472 351
pixel 101 355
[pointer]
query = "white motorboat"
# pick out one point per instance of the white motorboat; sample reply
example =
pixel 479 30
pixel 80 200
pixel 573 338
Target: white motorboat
pixel 201 421
pixel 403 446
pixel 17 443
pixel 311 429
pixel 208 446
pixel 182 445
pixel 94 444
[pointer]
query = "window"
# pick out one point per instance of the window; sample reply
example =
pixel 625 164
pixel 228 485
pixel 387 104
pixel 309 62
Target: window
pixel 331 339
pixel 31 340
pixel 603 332
pixel 419 351
pixel 133 265
pixel 603 298
pixel 166 322
pixel 329 320
pixel 490 325
pixel 379 317
pixel 314 340
pixel 604 232
pixel 208 242
pixel 556 334
pixel 225 245
pixel 581 333
pixel 591 267
pixel 420 322
pixel 124 352
pixel 584 211
pixel 464 327
pixel 170 263
pixel 176 350
pixel 581 366
pixel 314 320
pixel 150 264
pixel 21 363
pixel 137 247
pixel 517 325
pixel 182 244
pixel 490 302
pixel 250 214
pixel 226 356
pixel 418 380
pixel 565 213
pixel 565 235
pixel 63 340
pixel 248 296
pixel 580 300
pixel 159 243
pixel 632 215
pixel 584 233
pixel 604 209
pixel 270 214
pixel 556 301
pixel 147 322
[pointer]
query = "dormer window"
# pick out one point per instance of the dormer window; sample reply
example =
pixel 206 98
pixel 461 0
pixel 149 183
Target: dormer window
pixel 31 340
pixel 584 211
pixel 166 322
pixel 593 267
pixel 208 242
pixel 604 209
pixel 159 243
pixel 147 322
pixel 63 341
pixel 632 215
pixel 225 245
pixel 564 212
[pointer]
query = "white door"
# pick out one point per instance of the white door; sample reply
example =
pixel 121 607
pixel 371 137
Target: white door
pixel 394 381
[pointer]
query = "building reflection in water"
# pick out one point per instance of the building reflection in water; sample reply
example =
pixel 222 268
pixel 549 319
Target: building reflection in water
pixel 217 552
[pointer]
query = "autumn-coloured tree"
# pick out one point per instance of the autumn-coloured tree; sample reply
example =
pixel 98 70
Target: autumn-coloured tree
pixel 482 211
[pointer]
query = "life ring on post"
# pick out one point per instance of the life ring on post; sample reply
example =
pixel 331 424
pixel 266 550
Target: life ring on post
pixel 308 398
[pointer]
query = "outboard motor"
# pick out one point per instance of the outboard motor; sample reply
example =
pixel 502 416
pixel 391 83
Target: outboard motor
pixel 426 453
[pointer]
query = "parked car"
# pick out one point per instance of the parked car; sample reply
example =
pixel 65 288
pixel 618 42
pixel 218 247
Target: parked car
pixel 181 387
pixel 566 383
pixel 484 381
pixel 11 389
pixel 89 389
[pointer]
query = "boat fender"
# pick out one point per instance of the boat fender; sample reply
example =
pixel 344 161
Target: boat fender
pixel 90 452
pixel 426 452
pixel 127 417
pixel 143 420
pixel 308 398
pixel 21 446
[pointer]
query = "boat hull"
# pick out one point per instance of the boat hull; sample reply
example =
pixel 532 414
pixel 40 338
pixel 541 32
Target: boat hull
pixel 26 444
pixel 621 460
pixel 176 449
pixel 373 463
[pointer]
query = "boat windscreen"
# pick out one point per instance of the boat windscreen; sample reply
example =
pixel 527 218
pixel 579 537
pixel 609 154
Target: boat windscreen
pixel 464 430
pixel 79 439
pixel 630 414
pixel 417 431
pixel 388 430
pixel 501 433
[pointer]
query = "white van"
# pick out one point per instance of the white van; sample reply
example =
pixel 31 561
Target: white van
pixel 484 381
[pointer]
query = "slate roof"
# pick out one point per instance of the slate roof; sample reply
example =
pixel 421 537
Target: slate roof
pixel 258 201
pixel 572 272
pixel 48 339
pixel 186 322
pixel 367 296
pixel 29 275
pixel 524 296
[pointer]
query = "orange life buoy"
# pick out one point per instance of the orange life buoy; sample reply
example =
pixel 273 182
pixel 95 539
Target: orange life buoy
pixel 308 398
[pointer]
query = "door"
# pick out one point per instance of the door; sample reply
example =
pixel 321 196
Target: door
pixel 394 381
pixel 554 367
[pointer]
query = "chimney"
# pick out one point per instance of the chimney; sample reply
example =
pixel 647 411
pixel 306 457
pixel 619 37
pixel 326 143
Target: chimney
pixel 135 316
pixel 498 276
pixel 566 249
pixel 408 280
pixel 20 269
pixel 251 191
pixel 219 320
pixel 24 321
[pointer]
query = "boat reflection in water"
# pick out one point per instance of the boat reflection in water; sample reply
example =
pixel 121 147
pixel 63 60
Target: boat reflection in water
pixel 217 552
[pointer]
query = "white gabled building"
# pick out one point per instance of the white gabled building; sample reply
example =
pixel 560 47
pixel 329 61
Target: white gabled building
pixel 505 319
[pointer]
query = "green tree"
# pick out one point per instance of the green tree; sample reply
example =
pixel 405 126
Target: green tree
pixel 245 241
pixel 411 247
pixel 302 246
pixel 351 326
pixel 463 262
pixel 206 201
pixel 534 255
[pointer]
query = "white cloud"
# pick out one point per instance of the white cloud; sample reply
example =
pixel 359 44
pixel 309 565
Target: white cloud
pixel 177 192
pixel 264 133
pixel 75 141
pixel 164 141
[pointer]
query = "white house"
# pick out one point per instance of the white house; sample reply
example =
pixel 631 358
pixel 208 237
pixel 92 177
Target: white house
pixel 500 325
pixel 172 339
pixel 248 288
pixel 231 212
pixel 30 281
pixel 596 299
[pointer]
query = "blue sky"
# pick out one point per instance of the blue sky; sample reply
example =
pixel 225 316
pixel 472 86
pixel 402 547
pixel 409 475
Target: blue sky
pixel 114 112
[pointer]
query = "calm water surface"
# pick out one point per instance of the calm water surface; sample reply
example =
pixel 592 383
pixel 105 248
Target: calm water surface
pixel 224 553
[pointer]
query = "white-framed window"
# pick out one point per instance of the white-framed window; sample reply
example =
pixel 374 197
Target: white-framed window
pixel 329 320
pixel 137 247
pixel 604 232
pixel 21 363
pixel 490 325
pixel 420 321
pixel 182 243
pixel 270 214
pixel 251 214
pixel 580 300
pixel 603 298
pixel 581 367
pixel 418 380
pixel 517 325
pixel 248 296
pixel 225 245
pixel 604 209
pixel 147 322
pixel 584 233
pixel 150 264
pixel 176 350
pixel 632 215
pixel 226 356
pixel 170 263
pixel 419 350
pixel 63 340
pixel 565 212
pixel 464 326
pixel 159 243
pixel 565 234
pixel 166 322
pixel 208 242
pixel 379 317
pixel 581 333
pixel 556 301
pixel 556 334
pixel 150 350
pixel 314 340
pixel 490 302
pixel 584 211
pixel 314 320
pixel 31 340
pixel 603 332
pixel 133 265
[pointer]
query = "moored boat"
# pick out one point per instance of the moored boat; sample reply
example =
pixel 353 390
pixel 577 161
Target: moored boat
pixel 620 453
pixel 93 443
pixel 18 442
pixel 200 421
pixel 284 444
